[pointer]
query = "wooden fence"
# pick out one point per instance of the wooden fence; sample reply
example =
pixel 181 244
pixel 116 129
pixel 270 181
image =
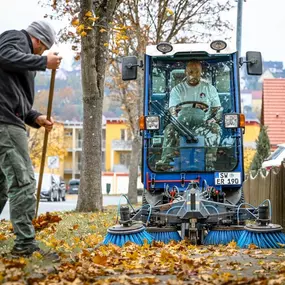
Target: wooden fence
pixel 260 186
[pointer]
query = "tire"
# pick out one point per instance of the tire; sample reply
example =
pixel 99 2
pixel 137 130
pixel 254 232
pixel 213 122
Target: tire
pixel 241 200
pixel 235 197
pixel 51 197
pixel 63 198
pixel 57 198
pixel 151 199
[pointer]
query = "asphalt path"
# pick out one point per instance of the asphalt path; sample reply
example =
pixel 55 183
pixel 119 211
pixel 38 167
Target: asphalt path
pixel 68 205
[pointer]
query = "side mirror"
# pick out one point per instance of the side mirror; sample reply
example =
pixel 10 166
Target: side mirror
pixel 254 63
pixel 129 68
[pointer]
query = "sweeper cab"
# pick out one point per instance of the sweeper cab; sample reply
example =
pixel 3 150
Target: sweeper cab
pixel 192 145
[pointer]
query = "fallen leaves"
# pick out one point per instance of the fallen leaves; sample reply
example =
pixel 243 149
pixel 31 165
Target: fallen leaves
pixel 77 237
pixel 43 221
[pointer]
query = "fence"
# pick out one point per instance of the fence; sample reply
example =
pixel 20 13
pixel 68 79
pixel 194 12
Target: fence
pixel 271 185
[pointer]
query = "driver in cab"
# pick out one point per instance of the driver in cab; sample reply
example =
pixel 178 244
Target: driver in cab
pixel 196 104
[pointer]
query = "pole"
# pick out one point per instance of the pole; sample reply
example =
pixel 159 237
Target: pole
pixel 50 99
pixel 239 26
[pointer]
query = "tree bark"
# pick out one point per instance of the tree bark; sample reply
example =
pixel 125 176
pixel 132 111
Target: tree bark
pixel 133 175
pixel 137 142
pixel 93 65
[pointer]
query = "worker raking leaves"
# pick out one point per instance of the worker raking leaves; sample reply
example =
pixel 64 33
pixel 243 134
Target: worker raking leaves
pixel 21 55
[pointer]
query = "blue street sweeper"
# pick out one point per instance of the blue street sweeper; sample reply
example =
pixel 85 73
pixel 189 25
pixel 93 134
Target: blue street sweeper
pixel 192 150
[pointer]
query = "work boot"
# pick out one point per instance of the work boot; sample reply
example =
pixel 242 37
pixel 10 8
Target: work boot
pixel 28 251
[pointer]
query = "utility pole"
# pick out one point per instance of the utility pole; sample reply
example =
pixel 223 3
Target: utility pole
pixel 239 25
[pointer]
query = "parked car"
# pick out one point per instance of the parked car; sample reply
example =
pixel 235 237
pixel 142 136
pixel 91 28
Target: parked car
pixel 50 187
pixel 73 186
pixel 276 158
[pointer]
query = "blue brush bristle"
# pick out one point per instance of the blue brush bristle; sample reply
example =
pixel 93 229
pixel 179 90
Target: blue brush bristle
pixel 120 239
pixel 261 240
pixel 166 237
pixel 216 237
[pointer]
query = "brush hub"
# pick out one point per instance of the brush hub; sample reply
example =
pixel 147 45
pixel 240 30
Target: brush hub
pixel 125 230
pixel 263 228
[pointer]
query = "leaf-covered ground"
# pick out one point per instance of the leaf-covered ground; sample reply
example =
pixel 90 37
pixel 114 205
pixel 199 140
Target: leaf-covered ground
pixel 76 237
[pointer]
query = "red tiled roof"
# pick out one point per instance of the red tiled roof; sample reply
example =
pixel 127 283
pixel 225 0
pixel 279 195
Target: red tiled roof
pixel 273 109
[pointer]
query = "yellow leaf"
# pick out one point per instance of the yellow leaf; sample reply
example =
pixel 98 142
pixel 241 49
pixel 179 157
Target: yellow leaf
pixel 88 14
pixel 80 28
pixel 83 34
pixel 75 22
pixel 232 244
pixel 76 239
pixel 37 255
pixel 252 246
pixel 106 44
pixel 102 30
pixel 102 260
pixel 93 19
pixel 169 12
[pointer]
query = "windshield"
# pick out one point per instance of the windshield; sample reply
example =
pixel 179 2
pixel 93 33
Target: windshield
pixel 46 182
pixel 190 97
pixel 276 153
pixel 74 182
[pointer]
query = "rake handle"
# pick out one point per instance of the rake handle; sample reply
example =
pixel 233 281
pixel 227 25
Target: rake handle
pixel 42 167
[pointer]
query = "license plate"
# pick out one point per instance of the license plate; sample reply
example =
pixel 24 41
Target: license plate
pixel 227 178
pixel 74 188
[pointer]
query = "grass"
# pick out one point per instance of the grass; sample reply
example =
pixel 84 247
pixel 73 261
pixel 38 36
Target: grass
pixel 76 238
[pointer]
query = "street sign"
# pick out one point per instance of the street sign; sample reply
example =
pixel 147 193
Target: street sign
pixel 53 162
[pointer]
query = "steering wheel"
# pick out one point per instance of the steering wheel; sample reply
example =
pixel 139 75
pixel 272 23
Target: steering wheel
pixel 204 106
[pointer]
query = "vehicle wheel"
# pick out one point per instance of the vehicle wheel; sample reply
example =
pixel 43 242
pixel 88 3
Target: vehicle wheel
pixel 235 197
pixel 59 196
pixel 63 198
pixel 241 200
pixel 151 199
pixel 51 197
pixel 56 198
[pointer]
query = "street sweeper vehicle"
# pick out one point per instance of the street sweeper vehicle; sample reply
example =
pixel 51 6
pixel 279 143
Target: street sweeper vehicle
pixel 192 150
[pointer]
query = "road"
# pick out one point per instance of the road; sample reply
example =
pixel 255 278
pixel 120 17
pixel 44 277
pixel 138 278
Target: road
pixel 68 205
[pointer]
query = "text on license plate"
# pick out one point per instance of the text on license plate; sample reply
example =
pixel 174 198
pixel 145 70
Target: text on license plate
pixel 227 178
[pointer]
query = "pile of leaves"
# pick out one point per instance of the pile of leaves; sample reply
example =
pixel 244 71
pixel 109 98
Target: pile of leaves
pixel 77 238
pixel 45 220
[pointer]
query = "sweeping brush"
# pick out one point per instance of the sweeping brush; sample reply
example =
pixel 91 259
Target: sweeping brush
pixel 262 234
pixel 223 235
pixel 269 236
pixel 120 234
pixel 164 235
pixel 127 231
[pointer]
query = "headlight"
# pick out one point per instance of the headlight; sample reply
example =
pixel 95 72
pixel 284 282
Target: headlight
pixel 152 123
pixel 164 47
pixel 234 121
pixel 218 45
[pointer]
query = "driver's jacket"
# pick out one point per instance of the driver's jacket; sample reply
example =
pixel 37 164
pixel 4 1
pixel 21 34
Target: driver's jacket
pixel 203 92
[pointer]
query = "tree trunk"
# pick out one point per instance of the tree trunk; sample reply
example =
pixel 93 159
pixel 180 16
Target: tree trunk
pixel 133 177
pixel 93 65
pixel 137 142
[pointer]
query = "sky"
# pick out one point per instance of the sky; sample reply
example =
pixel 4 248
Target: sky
pixel 262 29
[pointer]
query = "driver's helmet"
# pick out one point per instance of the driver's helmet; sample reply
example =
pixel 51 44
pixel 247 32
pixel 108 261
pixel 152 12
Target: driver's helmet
pixel 191 117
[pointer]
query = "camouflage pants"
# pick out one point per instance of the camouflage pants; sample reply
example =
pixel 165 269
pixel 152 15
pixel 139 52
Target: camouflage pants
pixel 211 133
pixel 17 182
